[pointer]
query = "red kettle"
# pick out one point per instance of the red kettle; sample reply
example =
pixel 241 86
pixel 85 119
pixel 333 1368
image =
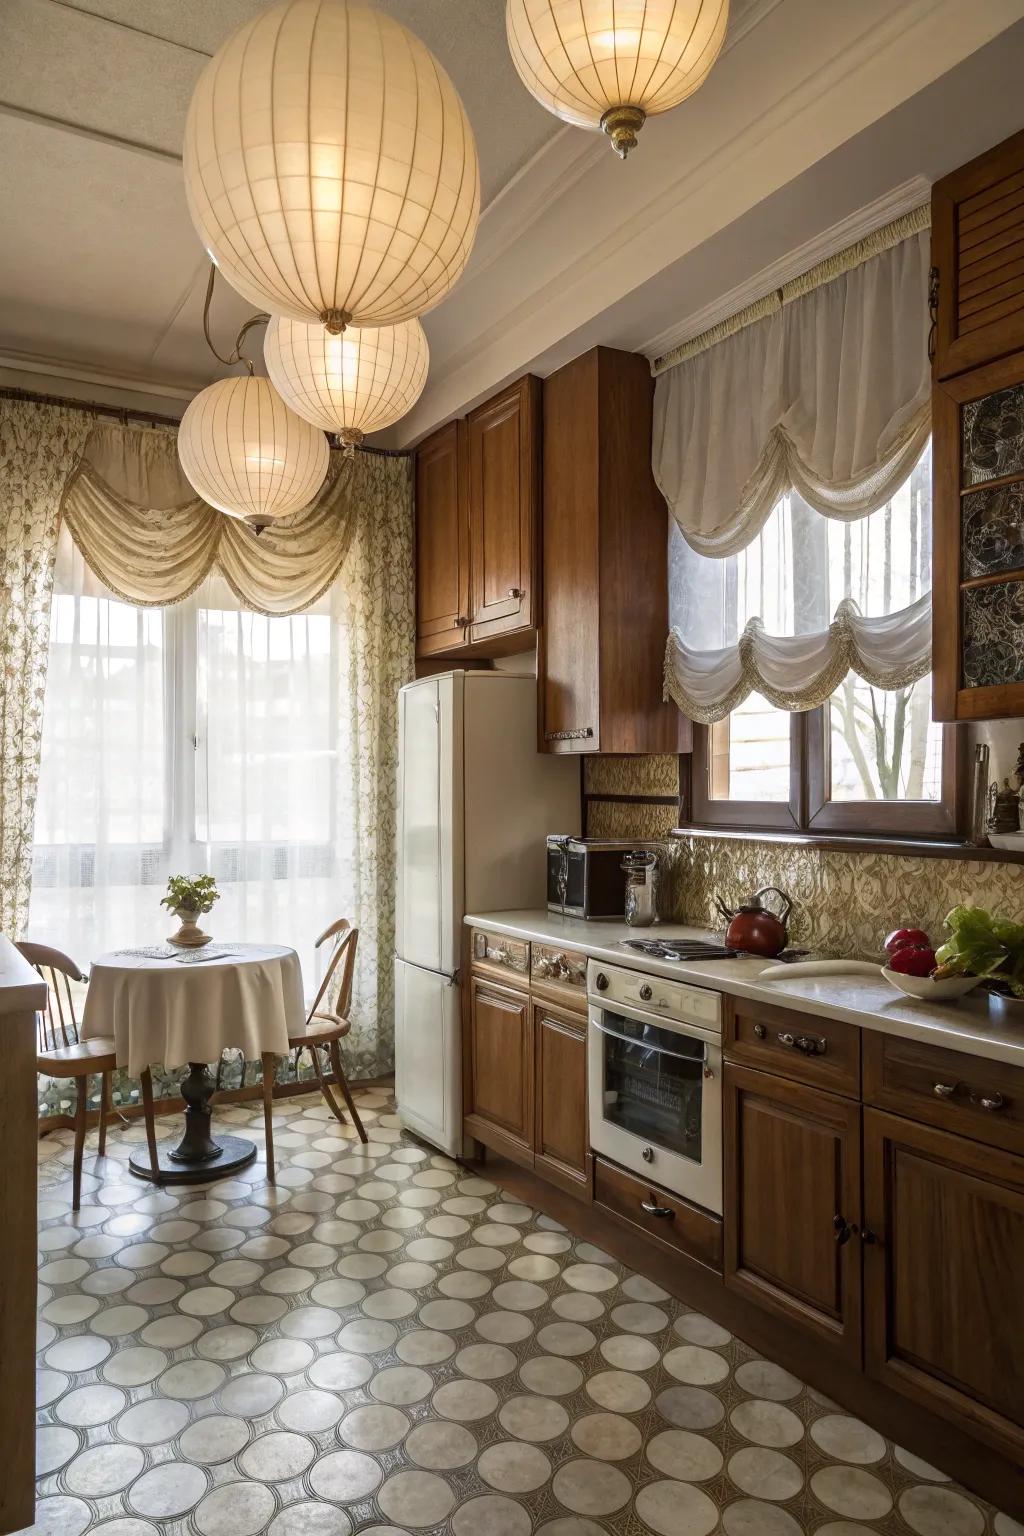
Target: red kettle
pixel 754 928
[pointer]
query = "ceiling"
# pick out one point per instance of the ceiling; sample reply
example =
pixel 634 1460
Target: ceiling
pixel 813 110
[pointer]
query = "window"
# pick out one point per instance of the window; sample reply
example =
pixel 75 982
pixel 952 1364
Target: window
pixel 194 738
pixel 868 761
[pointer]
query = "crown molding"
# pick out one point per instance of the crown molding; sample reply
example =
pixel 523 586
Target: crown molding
pixel 856 226
pixel 90 373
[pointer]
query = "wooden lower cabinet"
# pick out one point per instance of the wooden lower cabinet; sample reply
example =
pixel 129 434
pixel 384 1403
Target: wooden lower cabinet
pixel 560 1057
pixel 498 1082
pixel 943 1287
pixel 792 1204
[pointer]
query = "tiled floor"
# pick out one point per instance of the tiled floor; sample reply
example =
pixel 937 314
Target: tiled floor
pixel 383 1343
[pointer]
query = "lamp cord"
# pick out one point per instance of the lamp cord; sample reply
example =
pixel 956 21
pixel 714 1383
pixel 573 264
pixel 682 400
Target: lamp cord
pixel 236 355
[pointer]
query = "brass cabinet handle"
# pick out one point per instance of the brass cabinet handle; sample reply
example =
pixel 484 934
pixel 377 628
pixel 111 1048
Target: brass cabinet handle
pixel 944 1090
pixel 809 1045
pixel 988 1101
pixel 651 1207
pixel 583 734
pixel 842 1229
pixel 461 622
pixel 516 592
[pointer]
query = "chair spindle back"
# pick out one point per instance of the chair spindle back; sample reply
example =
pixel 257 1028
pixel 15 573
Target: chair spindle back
pixel 344 948
pixel 58 1025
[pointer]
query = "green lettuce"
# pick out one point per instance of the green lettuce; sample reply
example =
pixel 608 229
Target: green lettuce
pixel 982 945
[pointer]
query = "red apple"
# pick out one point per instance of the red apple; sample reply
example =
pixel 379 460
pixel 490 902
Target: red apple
pixel 901 937
pixel 913 960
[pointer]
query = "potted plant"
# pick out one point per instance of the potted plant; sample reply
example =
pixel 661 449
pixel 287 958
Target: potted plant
pixel 188 897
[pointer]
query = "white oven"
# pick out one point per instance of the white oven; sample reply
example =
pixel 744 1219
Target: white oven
pixel 654 1066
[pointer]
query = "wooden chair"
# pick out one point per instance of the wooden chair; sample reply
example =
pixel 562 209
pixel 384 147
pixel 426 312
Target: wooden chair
pixel 62 1053
pixel 322 1031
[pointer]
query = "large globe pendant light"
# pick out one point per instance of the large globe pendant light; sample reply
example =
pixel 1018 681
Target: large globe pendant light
pixel 350 384
pixel 330 168
pixel 611 64
pixel 247 454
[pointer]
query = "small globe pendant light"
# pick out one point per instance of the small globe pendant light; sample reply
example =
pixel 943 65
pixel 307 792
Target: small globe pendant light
pixel 351 384
pixel 330 169
pixel 611 64
pixel 247 454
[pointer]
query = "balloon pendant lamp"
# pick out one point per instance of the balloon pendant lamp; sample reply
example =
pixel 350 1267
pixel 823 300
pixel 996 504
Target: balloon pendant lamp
pixel 330 169
pixel 611 64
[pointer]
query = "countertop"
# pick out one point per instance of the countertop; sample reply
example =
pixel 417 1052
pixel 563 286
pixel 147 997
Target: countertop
pixel 967 1025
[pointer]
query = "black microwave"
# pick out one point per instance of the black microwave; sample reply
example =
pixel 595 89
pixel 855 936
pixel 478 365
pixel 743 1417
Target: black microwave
pixel 585 875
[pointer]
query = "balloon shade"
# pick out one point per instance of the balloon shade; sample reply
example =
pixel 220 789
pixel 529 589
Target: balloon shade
pixel 350 384
pixel 612 63
pixel 247 454
pixel 330 168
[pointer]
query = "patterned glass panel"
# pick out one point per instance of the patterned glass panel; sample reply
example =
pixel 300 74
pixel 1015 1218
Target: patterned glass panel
pixel 993 635
pixel 993 530
pixel 993 436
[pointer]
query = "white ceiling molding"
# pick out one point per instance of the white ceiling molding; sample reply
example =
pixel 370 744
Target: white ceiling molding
pixel 857 226
pixel 833 72
pixel 81 373
pixel 98 136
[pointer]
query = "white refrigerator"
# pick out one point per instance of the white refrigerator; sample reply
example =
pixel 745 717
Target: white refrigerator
pixel 476 801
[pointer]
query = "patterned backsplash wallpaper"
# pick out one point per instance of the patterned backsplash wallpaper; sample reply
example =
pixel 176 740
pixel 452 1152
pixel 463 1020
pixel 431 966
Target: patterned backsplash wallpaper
pixel 843 902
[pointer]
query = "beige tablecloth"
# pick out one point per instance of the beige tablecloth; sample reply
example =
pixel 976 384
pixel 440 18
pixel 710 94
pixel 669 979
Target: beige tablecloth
pixel 173 1011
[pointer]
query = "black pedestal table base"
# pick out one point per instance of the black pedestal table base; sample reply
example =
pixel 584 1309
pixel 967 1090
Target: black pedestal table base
pixel 198 1157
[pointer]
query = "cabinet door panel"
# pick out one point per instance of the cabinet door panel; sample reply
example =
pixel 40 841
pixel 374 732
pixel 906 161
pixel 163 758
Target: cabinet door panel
pixel 503 444
pixel 792 1178
pixel 943 1298
pixel 560 1046
pixel 442 551
pixel 570 655
pixel 978 250
pixel 501 1063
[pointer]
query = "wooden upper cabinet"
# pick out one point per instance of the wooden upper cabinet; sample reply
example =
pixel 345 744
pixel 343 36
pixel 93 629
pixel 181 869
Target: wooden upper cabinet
pixel 442 542
pixel 942 1266
pixel 503 495
pixel 978 440
pixel 978 255
pixel 605 551
pixel 792 1204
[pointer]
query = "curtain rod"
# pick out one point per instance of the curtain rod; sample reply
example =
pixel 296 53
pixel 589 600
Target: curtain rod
pixel 125 414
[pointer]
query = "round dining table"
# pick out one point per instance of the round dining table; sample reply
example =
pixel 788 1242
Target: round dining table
pixel 187 1006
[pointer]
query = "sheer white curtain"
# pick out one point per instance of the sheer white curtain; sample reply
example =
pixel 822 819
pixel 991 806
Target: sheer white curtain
pixel 198 737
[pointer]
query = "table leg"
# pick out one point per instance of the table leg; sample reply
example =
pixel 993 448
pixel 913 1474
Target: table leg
pixel 198 1157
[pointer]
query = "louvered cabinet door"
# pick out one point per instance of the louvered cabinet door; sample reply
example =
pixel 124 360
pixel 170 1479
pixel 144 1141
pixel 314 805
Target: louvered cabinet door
pixel 978 257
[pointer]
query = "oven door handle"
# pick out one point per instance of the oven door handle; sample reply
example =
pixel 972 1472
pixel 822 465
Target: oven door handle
pixel 648 1045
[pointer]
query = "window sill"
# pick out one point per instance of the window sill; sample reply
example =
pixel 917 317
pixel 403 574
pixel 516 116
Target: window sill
pixel 898 847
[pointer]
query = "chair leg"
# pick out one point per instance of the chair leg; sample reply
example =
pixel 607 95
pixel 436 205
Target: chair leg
pixel 329 1099
pixel 342 1082
pixel 81 1105
pixel 104 1111
pixel 146 1079
pixel 269 1068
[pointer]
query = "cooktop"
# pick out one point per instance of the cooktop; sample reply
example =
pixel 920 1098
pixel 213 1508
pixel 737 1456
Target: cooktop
pixel 696 949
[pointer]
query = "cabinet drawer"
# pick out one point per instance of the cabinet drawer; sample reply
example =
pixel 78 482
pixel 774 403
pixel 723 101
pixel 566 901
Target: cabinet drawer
pixel 978 1098
pixel 686 1227
pixel 496 952
pixel 559 973
pixel 799 1046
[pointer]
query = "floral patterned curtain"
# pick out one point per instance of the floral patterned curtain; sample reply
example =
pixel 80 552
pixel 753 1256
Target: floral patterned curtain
pixel 41 455
pixel 39 446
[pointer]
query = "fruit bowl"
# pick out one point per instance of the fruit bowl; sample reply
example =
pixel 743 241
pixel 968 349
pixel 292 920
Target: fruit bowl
pixel 930 989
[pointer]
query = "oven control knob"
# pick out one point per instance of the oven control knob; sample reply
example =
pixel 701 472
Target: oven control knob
pixel 601 981
pixel 648 1154
pixel 646 992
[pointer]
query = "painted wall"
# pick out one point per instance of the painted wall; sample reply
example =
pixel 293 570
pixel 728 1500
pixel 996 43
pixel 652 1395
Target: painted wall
pixel 844 902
